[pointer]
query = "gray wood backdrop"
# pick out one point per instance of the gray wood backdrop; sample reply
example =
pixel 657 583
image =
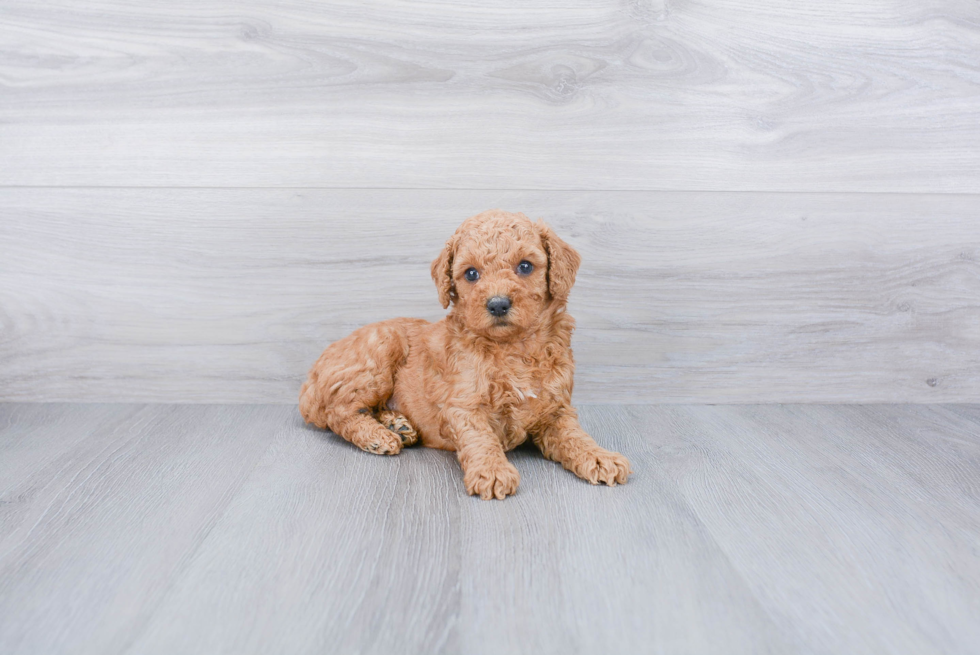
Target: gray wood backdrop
pixel 775 201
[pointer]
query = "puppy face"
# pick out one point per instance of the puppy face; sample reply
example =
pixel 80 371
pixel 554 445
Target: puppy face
pixel 503 273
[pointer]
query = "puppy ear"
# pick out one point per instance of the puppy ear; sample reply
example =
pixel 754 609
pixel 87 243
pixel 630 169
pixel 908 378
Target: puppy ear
pixel 442 273
pixel 563 262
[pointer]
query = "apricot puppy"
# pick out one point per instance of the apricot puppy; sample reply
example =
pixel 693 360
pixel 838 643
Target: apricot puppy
pixel 495 371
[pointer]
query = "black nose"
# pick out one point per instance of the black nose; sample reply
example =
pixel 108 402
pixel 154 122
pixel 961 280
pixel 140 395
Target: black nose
pixel 498 305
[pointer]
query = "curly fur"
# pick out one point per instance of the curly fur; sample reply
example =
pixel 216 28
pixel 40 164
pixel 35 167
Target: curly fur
pixel 471 383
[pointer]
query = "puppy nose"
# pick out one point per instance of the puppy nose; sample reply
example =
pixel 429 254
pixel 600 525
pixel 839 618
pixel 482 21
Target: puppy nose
pixel 498 305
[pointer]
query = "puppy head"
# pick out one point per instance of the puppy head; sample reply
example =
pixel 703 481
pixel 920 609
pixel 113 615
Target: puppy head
pixel 503 274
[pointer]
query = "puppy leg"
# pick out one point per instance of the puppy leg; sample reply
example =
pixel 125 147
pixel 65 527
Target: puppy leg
pixel 486 471
pixel 564 441
pixel 351 380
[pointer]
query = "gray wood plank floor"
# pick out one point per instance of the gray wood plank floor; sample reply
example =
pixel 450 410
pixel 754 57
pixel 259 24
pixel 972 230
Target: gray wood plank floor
pixel 237 529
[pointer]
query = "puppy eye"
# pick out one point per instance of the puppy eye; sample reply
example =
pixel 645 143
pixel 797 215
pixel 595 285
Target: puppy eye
pixel 471 274
pixel 525 267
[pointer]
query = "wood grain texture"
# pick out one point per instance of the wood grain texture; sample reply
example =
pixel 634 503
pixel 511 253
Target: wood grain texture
pixel 588 569
pixel 360 555
pixel 652 94
pixel 92 536
pixel 745 529
pixel 877 508
pixel 353 553
pixel 34 435
pixel 213 295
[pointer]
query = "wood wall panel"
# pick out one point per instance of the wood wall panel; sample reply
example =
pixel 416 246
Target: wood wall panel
pixel 879 96
pixel 228 295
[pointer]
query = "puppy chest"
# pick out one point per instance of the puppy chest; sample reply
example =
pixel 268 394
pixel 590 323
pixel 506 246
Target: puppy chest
pixel 519 405
pixel 517 391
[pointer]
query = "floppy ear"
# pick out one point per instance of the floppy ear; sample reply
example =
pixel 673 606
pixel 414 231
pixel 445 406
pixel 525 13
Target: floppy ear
pixel 442 273
pixel 563 262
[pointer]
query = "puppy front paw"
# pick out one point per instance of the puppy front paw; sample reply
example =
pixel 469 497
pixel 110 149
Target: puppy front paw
pixel 488 481
pixel 603 466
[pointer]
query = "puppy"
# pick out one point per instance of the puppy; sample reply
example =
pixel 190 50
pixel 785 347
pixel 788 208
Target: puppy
pixel 494 371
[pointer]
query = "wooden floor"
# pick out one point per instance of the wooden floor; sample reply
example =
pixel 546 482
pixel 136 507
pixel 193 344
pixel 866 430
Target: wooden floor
pixel 237 529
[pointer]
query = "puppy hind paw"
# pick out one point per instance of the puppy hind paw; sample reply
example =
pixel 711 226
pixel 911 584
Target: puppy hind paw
pixel 603 466
pixel 381 442
pixel 489 482
pixel 398 424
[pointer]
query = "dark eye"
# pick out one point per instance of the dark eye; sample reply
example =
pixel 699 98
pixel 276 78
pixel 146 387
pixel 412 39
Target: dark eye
pixel 471 274
pixel 525 267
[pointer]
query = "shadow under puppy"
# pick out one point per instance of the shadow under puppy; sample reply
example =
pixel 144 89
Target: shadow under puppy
pixel 494 371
